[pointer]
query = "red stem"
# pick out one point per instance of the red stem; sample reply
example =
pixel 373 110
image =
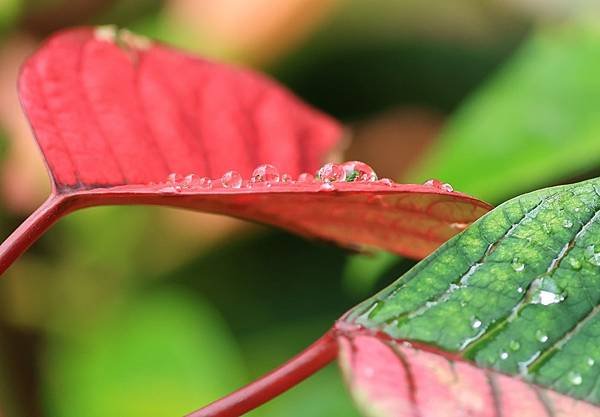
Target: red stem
pixel 300 367
pixel 30 230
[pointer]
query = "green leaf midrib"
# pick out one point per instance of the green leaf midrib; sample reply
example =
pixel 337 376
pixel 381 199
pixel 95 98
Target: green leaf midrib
pixel 422 306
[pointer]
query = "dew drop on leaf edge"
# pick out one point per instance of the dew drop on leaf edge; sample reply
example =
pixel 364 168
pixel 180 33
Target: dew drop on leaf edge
pixel 232 179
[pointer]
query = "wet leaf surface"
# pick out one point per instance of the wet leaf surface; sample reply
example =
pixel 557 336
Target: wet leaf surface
pixel 515 293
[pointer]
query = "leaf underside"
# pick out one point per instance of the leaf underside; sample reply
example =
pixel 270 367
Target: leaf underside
pixel 114 115
pixel 518 292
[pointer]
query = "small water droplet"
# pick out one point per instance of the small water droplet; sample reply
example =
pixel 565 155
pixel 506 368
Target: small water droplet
pixel 265 173
pixel 541 336
pixel 517 266
pixel 174 178
pixel 590 361
pixel 514 345
pixel 327 186
pixel 331 172
pixel 503 355
pixel 567 224
pixel 447 187
pixel 520 290
pixel 546 292
pixel 359 171
pixel 476 324
pixel 189 181
pixel 575 378
pixel 170 190
pixel 438 184
pixel 385 181
pixel 576 209
pixel 575 263
pixel 231 179
pixel 205 182
pixel 306 177
pixel 286 178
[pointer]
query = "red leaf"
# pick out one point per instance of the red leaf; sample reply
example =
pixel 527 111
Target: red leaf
pixel 394 379
pixel 115 114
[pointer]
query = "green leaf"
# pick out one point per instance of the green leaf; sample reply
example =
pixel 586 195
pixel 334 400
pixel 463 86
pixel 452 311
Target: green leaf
pixel 517 292
pixel 159 354
pixel 534 123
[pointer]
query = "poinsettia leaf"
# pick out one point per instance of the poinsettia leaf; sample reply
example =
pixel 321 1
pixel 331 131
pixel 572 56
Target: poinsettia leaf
pixel 122 120
pixel 517 292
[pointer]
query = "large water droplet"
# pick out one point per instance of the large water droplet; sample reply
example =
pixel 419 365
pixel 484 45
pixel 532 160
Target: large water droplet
pixel 359 171
pixel 517 266
pixel 265 173
pixel 332 173
pixel 231 179
pixel 575 378
pixel 546 292
pixel 306 177
pixel 541 336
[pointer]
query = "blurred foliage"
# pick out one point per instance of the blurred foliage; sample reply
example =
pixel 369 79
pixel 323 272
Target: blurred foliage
pixel 534 124
pixel 123 311
pixel 154 355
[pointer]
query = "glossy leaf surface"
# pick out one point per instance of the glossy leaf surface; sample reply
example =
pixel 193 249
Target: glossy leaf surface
pixel 115 115
pixel 517 292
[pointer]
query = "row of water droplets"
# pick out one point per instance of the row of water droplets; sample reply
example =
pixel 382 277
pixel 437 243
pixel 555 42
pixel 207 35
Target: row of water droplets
pixel 267 175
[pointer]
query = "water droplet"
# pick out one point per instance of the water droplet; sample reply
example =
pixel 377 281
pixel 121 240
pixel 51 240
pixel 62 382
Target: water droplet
pixel 438 184
pixel 575 378
pixel 546 292
pixel 205 182
pixel 592 256
pixel 476 324
pixel 385 181
pixel 567 224
pixel 306 177
pixel 359 171
pixel 286 178
pixel 517 266
pixel 541 336
pixel 447 187
pixel 231 179
pixel 503 355
pixel 170 190
pixel 590 361
pixel 514 345
pixel 174 178
pixel 332 173
pixel 520 290
pixel 265 173
pixel 575 263
pixel 327 186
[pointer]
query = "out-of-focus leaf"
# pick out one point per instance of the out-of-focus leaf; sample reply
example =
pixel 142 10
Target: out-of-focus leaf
pixel 116 127
pixel 535 123
pixel 516 293
pixel 159 354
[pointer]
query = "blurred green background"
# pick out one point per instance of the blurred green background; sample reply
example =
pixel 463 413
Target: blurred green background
pixel 138 311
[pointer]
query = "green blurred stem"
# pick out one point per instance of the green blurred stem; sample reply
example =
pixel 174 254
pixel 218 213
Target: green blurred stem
pixel 269 386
